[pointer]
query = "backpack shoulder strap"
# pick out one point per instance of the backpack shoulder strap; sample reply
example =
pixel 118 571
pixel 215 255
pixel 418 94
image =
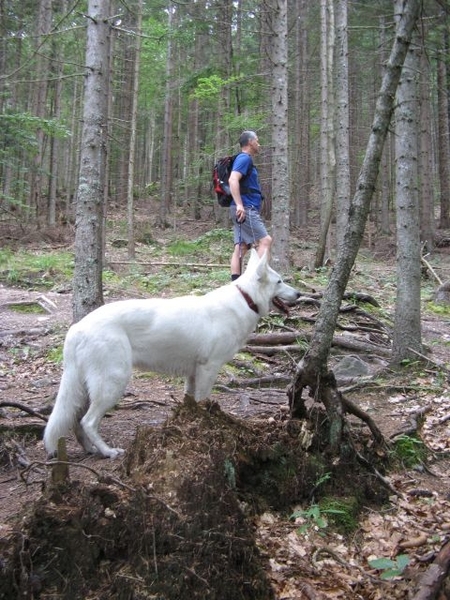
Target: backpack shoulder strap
pixel 250 164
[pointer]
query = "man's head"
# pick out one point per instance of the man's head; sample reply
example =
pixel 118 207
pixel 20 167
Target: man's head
pixel 248 142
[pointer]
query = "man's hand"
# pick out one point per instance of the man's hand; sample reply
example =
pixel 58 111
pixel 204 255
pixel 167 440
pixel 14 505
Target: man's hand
pixel 240 213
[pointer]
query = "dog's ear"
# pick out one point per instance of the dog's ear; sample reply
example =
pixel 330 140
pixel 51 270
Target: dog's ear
pixel 253 260
pixel 261 269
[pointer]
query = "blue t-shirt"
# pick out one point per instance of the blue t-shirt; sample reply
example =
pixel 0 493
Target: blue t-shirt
pixel 250 187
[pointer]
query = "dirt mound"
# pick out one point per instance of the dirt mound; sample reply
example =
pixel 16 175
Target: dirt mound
pixel 177 523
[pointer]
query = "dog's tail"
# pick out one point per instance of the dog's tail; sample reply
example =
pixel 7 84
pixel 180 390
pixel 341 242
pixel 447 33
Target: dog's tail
pixel 71 403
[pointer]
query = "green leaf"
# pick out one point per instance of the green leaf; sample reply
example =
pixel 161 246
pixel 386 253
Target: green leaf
pixel 382 563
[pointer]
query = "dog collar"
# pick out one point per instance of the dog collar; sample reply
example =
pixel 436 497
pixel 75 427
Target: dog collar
pixel 249 300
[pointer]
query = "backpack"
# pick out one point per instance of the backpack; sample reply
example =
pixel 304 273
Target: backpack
pixel 221 174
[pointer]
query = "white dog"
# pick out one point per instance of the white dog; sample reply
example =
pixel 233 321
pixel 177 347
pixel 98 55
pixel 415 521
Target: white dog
pixel 191 336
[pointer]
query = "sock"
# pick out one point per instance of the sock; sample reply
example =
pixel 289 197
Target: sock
pixel 234 276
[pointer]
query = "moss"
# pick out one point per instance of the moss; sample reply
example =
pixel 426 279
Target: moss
pixel 342 512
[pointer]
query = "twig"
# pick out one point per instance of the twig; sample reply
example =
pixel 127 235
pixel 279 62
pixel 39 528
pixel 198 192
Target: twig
pixel 437 364
pixel 167 264
pixel 432 271
pixel 26 409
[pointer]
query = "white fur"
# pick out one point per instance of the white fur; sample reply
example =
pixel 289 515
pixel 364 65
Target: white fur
pixel 191 336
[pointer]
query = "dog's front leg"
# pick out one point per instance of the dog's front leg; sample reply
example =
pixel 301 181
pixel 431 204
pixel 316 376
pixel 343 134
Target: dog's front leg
pixel 189 386
pixel 205 377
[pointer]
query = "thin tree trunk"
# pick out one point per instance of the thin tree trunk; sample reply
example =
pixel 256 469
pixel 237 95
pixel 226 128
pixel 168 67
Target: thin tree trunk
pixel 407 334
pixel 39 107
pixel 312 371
pixel 280 163
pixel 166 170
pixel 300 142
pixel 87 282
pixel 443 145
pixel 133 124
pixel 426 175
pixel 327 159
pixel 342 122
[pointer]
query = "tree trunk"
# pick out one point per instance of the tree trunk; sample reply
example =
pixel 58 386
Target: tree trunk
pixel 87 282
pixel 300 142
pixel 133 125
pixel 327 159
pixel 443 145
pixel 407 335
pixel 278 57
pixel 39 107
pixel 342 123
pixel 312 371
pixel 426 171
pixel 166 167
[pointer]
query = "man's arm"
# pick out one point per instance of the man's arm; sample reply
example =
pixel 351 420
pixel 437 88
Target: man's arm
pixel 234 183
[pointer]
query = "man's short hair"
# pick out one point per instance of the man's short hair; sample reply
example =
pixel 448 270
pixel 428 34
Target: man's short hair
pixel 246 137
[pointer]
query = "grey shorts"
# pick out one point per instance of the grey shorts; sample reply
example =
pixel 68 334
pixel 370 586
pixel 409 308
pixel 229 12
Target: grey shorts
pixel 251 230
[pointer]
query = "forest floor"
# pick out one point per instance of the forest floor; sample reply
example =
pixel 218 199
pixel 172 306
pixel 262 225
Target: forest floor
pixel 305 550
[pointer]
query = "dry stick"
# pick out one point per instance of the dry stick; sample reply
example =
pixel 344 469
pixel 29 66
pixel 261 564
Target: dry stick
pixel 26 409
pixel 432 271
pixel 437 364
pixel 166 264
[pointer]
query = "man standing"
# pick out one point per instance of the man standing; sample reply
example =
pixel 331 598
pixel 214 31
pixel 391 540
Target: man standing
pixel 245 208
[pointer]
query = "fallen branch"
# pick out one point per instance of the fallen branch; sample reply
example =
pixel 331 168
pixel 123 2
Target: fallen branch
pixel 24 408
pixel 431 270
pixel 438 364
pixel 167 264
pixel 32 331
pixel 343 341
pixel 431 581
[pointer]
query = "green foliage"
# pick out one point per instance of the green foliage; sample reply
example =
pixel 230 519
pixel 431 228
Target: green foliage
pixel 439 309
pixel 390 568
pixel 315 517
pixel 19 133
pixel 230 473
pixel 341 512
pixel 55 355
pixel 209 87
pixel 31 308
pixel 216 242
pixel 37 270
pixel 409 450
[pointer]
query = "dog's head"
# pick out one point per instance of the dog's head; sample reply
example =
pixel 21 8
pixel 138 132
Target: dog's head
pixel 266 287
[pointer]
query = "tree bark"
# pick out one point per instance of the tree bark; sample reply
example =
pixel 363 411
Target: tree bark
pixel 342 123
pixel 278 57
pixel 327 155
pixel 87 281
pixel 312 371
pixel 133 125
pixel 443 145
pixel 166 167
pixel 407 333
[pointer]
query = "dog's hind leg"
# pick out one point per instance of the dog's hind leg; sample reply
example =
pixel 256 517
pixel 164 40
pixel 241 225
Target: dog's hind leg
pixel 105 391
pixel 83 439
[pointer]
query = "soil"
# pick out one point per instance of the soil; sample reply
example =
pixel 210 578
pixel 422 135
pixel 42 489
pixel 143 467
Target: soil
pixel 216 501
